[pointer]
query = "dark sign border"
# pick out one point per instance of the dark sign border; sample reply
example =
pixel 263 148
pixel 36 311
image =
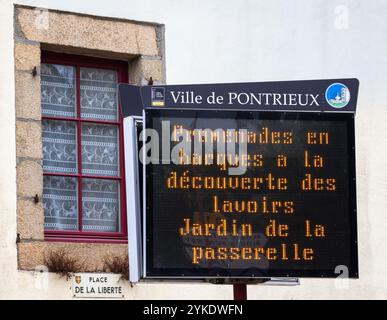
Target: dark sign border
pixel 195 273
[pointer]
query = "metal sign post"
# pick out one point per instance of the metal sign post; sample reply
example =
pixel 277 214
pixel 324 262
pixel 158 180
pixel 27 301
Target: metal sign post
pixel 240 291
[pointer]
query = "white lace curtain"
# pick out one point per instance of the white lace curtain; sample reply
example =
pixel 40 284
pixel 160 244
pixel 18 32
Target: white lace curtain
pixel 99 149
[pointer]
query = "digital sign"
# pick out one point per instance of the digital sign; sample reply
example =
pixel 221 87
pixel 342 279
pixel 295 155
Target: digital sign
pixel 249 194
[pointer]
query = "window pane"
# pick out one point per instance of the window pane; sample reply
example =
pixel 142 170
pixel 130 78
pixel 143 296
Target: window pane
pixel 99 94
pixel 58 90
pixel 100 205
pixel 60 203
pixel 100 150
pixel 59 146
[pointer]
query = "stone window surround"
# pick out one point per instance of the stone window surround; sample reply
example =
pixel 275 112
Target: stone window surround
pixel 140 44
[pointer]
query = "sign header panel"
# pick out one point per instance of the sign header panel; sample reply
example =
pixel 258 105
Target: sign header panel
pixel 331 95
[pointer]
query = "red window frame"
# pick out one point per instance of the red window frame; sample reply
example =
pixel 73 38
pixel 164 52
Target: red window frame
pixel 121 68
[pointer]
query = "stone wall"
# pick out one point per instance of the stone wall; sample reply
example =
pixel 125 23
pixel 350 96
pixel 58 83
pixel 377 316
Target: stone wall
pixel 140 44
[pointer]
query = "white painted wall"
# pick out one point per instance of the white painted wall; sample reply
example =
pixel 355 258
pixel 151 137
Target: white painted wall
pixel 8 261
pixel 233 41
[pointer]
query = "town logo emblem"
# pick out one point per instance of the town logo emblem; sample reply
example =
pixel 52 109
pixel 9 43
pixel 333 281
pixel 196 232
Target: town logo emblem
pixel 337 95
pixel 78 279
pixel 158 97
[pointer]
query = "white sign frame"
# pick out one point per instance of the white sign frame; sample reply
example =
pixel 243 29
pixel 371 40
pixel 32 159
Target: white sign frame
pixel 132 184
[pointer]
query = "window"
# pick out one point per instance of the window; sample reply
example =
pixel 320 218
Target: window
pixel 83 186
